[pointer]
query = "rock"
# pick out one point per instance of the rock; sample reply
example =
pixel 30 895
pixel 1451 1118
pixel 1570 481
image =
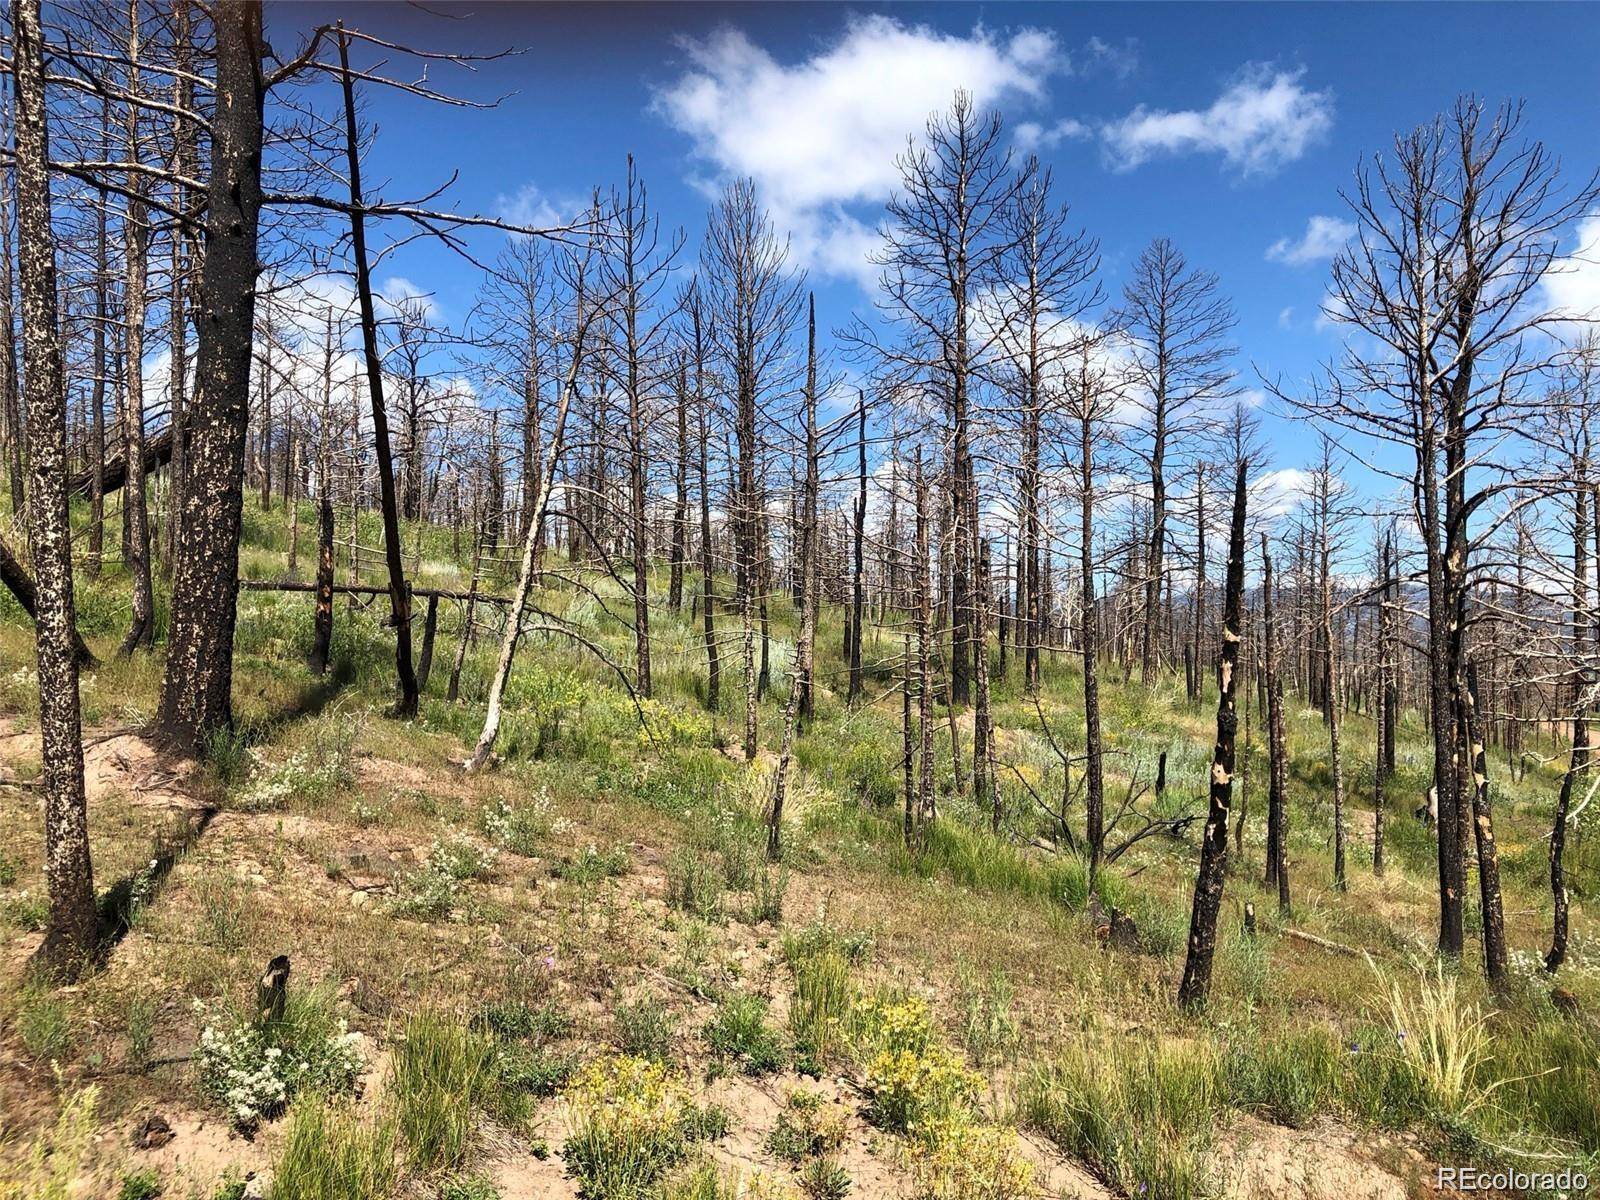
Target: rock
pixel 258 1186
pixel 1565 1002
pixel 153 1133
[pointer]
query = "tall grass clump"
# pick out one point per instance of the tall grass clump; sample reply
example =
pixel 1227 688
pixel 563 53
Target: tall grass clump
pixel 1551 1080
pixel 1289 1076
pixel 332 1154
pixel 820 1004
pixel 444 1073
pixel 1144 1118
pixel 1443 1042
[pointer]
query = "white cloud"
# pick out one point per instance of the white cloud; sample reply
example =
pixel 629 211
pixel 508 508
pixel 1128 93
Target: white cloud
pixel 1121 61
pixel 1031 135
pixel 821 135
pixel 1324 237
pixel 1572 285
pixel 1286 317
pixel 529 206
pixel 1279 493
pixel 1262 120
pixel 398 290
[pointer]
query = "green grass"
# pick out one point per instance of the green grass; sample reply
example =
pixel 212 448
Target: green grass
pixel 1143 1117
pixel 738 1034
pixel 444 1076
pixel 332 1152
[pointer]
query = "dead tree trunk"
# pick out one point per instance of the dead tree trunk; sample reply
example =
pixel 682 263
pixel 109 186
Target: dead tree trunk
pixel 196 689
pixel 1196 983
pixel 804 647
pixel 1384 709
pixel 1578 762
pixel 399 599
pixel 925 634
pixel 69 940
pixel 1494 919
pixel 1094 758
pixel 858 576
pixel 680 508
pixel 135 235
pixel 1277 768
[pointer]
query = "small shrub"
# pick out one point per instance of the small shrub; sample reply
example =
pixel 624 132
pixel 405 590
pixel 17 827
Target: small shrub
pixel 739 1033
pixel 332 1154
pixel 310 774
pixel 468 1187
pixel 142 1011
pixel 433 891
pixel 591 864
pixel 535 1071
pixel 646 1029
pixel 824 1179
pixel 461 858
pixel 958 1161
pixel 694 885
pixel 143 1184
pixel 444 1073
pixel 254 1072
pixel 24 911
pixel 913 1080
pixel 854 947
pixel 519 828
pixel 629 1123
pixel 43 1020
pixel 766 901
pixel 516 1019
pixel 705 1182
pixel 807 1127
pixel 8 870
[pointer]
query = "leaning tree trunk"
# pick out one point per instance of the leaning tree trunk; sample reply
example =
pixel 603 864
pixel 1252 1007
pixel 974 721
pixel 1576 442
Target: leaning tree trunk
pixel 484 750
pixel 1196 983
pixel 69 940
pixel 20 584
pixel 196 689
pixel 399 596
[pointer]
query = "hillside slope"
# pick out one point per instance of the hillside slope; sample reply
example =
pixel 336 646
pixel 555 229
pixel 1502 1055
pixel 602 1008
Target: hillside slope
pixel 576 975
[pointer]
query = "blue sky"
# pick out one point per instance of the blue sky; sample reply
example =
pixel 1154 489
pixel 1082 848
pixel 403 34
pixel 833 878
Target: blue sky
pixel 1229 128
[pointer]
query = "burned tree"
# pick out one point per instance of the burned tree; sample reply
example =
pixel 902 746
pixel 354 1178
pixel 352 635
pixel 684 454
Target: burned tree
pixel 1196 983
